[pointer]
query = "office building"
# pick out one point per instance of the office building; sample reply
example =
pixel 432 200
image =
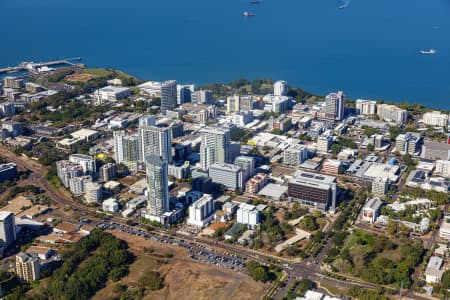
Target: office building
pixel 7 109
pixel 442 168
pixel 380 186
pixel 242 118
pixel 8 172
pixel 247 164
pixel 201 211
pixel 156 141
pixel 435 150
pixel 127 148
pixel 184 93
pixel 248 214
pixel 280 88
pixel 316 190
pixel 277 104
pixel 295 155
pixel 256 183
pixel 435 118
pixel 280 123
pixel 108 171
pixel 371 210
pixel 332 166
pixel 180 171
pixel 408 143
pixel 228 175
pixel 324 142
pixel 67 170
pixel 157 186
pixel 27 267
pixel 13 128
pixel 147 120
pixel 112 93
pixel 366 107
pixel 168 95
pixel 7 227
pixel 13 82
pixel 392 113
pixel 335 106
pixel 215 146
pixel 86 162
pixel 93 192
pixel 203 97
pixel 110 205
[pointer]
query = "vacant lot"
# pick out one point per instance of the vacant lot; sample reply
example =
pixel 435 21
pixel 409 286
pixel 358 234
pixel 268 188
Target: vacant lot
pixel 184 278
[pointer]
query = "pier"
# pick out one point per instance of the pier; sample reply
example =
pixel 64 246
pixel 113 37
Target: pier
pixel 32 67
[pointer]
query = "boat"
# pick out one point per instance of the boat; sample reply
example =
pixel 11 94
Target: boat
pixel 429 52
pixel 255 2
pixel 342 6
pixel 247 14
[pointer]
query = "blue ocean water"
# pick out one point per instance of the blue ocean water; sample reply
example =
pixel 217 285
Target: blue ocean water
pixel 370 49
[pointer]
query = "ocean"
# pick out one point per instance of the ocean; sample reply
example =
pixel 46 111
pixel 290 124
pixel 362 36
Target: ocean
pixel 369 49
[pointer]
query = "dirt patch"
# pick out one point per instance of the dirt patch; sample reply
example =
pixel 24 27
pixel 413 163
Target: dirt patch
pixel 80 77
pixel 183 278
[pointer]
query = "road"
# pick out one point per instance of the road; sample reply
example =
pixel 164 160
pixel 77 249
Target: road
pixel 295 270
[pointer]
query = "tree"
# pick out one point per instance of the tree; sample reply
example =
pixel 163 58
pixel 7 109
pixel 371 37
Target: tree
pixel 335 149
pixel 151 280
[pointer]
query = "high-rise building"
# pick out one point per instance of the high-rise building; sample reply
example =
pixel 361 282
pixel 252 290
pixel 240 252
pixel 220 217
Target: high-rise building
pixel 184 93
pixel 229 175
pixel 324 142
pixel 13 82
pixel 168 95
pixel 392 113
pixel 67 170
pixel 27 267
pixel 93 192
pixel 247 164
pixel 86 162
pixel 335 106
pixel 77 185
pixel 157 186
pixel 316 190
pixel 201 211
pixel 157 141
pixel 202 97
pixel 295 155
pixel 7 227
pixel 366 107
pixel 7 109
pixel 237 103
pixel 215 146
pixel 380 186
pixel 435 118
pixel 127 148
pixel 108 171
pixel 248 214
pixel 280 88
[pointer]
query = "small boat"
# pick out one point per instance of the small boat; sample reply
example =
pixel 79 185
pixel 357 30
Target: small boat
pixel 255 2
pixel 247 14
pixel 342 6
pixel 429 52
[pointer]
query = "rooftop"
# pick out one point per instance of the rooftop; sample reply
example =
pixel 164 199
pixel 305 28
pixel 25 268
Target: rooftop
pixel 4 215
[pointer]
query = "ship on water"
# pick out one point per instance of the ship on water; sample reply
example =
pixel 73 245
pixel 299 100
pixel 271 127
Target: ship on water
pixel 247 14
pixel 428 52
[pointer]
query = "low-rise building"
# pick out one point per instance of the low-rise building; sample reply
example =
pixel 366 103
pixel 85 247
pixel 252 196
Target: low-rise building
pixel 295 155
pixel 112 93
pixel 256 183
pixel 433 272
pixel 8 172
pixel 332 166
pixel 435 118
pixel 110 205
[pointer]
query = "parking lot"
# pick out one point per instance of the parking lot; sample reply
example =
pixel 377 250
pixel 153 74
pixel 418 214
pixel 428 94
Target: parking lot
pixel 196 251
